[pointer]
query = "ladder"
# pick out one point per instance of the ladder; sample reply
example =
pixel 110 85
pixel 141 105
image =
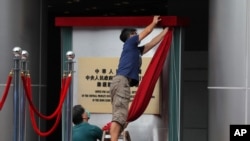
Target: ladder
pixel 124 136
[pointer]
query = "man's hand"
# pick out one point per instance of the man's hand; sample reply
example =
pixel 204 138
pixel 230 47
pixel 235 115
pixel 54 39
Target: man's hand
pixel 156 19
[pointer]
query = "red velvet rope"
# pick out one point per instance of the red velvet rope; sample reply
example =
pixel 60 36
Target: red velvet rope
pixel 34 125
pixel 6 91
pixel 32 116
pixel 64 90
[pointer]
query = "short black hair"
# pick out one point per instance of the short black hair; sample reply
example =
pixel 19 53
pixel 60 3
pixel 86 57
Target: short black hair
pixel 78 110
pixel 125 33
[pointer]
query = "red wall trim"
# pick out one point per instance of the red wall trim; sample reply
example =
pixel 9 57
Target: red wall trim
pixel 119 21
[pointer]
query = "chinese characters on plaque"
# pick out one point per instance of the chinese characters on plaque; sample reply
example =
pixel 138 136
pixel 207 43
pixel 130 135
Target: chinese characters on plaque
pixel 94 77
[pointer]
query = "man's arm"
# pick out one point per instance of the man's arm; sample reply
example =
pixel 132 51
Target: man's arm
pixel 155 40
pixel 147 30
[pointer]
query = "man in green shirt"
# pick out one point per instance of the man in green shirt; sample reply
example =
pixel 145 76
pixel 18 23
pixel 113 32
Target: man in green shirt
pixel 82 130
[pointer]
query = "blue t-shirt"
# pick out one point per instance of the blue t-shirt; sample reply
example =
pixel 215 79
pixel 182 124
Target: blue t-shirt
pixel 86 132
pixel 130 60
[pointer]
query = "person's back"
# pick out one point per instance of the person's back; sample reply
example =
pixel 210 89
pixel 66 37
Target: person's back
pixel 82 130
pixel 86 132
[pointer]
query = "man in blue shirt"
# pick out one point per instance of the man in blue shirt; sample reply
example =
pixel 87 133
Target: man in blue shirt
pixel 128 72
pixel 83 131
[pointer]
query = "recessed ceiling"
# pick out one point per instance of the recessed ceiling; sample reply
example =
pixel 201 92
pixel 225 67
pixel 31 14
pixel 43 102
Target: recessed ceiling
pixel 107 7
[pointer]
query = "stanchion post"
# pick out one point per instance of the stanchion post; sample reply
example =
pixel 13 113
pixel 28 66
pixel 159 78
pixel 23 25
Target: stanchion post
pixel 24 67
pixel 16 101
pixel 68 104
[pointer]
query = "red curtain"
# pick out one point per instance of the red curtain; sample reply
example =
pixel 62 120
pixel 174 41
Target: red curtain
pixel 146 87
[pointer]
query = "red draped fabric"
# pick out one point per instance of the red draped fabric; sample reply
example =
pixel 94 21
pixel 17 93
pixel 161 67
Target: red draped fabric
pixel 146 87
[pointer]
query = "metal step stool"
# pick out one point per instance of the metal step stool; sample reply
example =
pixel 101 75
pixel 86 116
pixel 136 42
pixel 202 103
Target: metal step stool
pixel 123 137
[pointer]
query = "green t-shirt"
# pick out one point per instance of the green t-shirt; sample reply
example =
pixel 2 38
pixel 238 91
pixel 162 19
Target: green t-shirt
pixel 86 132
